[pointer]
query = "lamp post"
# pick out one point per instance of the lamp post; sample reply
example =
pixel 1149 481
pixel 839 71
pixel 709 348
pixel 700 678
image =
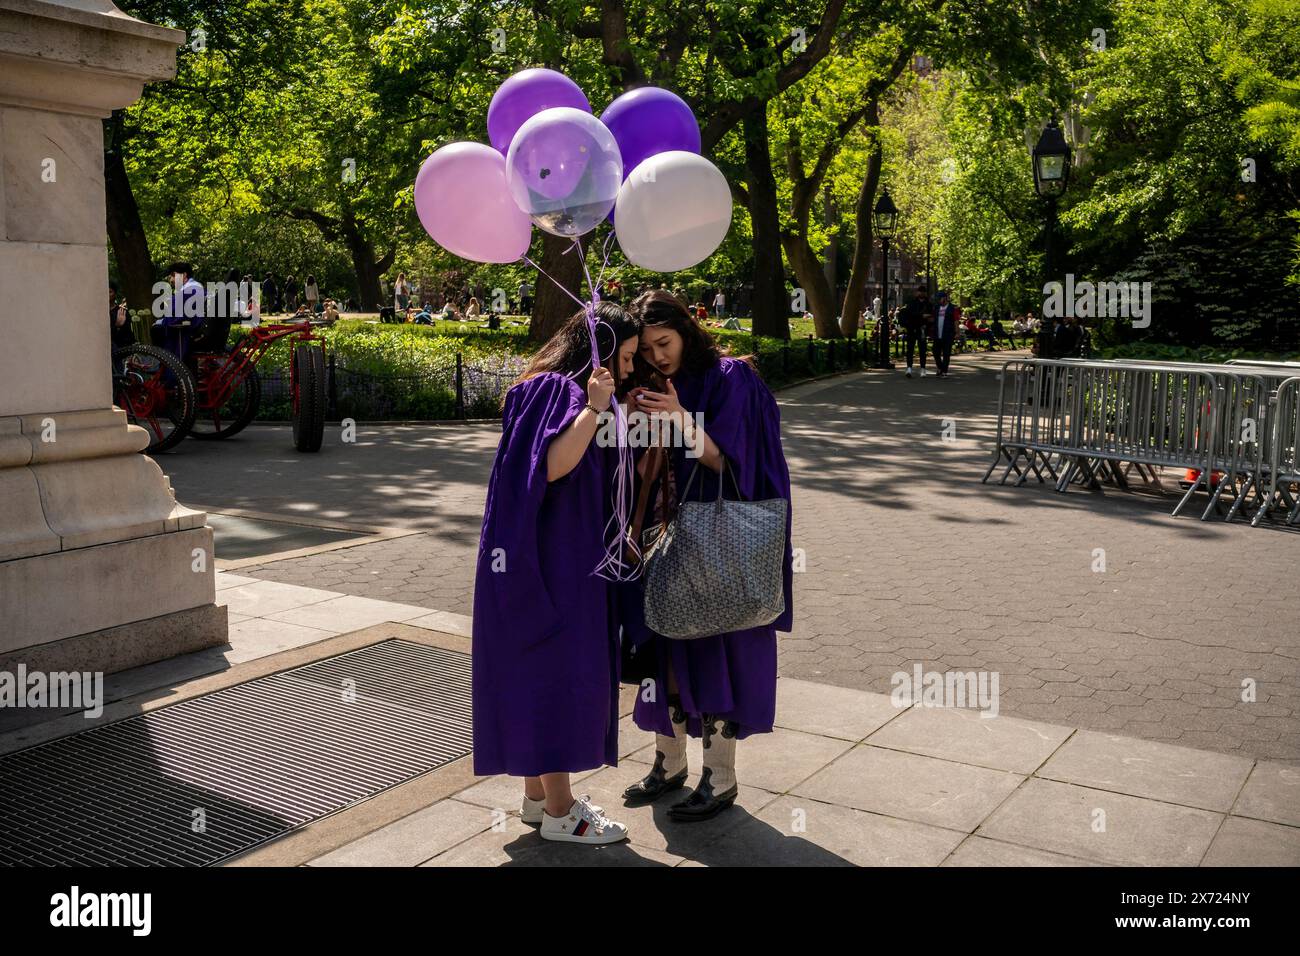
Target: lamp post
pixel 885 218
pixel 1051 157
pixel 929 282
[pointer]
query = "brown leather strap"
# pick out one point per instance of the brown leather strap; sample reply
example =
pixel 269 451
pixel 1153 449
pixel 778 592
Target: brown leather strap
pixel 642 501
pixel 656 460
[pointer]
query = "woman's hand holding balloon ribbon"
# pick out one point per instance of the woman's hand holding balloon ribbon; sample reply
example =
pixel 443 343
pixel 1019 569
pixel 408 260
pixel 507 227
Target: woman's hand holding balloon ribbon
pixel 600 387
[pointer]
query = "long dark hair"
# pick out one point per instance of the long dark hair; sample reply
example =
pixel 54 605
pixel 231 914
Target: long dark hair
pixel 700 350
pixel 568 351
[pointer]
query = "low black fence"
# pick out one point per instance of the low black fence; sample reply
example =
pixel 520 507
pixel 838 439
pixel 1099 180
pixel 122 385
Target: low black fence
pixel 462 390
pixel 454 390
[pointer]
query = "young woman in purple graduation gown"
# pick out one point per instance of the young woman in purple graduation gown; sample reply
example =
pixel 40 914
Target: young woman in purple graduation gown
pixel 545 638
pixel 722 687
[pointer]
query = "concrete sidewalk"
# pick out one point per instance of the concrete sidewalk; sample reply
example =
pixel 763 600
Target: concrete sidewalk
pixel 849 779
pixel 846 778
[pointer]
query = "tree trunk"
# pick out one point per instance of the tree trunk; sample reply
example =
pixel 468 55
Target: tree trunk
pixel 550 305
pixel 771 310
pixel 862 250
pixel 365 265
pixel 812 279
pixel 832 244
pixel 122 219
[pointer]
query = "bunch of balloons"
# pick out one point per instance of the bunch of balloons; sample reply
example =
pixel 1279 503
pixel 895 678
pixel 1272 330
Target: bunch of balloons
pixel 553 164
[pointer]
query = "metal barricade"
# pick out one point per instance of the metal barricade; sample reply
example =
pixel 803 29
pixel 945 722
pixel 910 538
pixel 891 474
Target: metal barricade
pixel 1249 387
pixel 1092 419
pixel 1283 466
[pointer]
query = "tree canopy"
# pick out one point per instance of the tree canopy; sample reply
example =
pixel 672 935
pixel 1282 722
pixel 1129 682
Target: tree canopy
pixel 290 139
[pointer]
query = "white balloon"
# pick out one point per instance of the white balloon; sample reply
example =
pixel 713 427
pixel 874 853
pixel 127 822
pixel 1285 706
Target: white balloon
pixel 672 212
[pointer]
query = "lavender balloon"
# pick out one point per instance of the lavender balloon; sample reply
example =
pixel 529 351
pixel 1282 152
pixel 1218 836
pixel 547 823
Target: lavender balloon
pixel 563 169
pixel 523 96
pixel 649 121
pixel 464 205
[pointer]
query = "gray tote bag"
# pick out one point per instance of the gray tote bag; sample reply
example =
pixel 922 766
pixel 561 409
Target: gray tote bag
pixel 717 567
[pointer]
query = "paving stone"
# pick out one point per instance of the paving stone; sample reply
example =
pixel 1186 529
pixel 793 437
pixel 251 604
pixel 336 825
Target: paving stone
pixel 1142 768
pixel 1271 793
pixel 1102 826
pixel 1242 842
pixel 981 851
pixel 413 839
pixel 966 736
pixel 911 787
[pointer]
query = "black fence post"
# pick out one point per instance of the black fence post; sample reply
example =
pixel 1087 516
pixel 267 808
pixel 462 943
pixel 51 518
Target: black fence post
pixel 332 412
pixel 785 359
pixel 830 356
pixel 812 354
pixel 460 387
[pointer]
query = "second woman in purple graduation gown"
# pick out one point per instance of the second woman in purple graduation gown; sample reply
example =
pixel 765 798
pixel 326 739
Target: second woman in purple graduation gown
pixel 545 642
pixel 722 687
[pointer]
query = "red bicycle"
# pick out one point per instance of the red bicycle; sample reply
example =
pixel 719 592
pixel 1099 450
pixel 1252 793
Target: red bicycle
pixel 217 391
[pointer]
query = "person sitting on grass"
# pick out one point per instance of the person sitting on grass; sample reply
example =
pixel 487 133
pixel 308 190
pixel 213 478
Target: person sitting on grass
pixel 330 312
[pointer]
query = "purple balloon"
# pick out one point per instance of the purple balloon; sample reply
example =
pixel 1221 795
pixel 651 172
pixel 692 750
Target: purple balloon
pixel 523 96
pixel 550 155
pixel 563 169
pixel 648 121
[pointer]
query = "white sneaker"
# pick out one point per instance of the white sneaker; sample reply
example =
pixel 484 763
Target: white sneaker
pixel 908 373
pixel 532 810
pixel 922 371
pixel 582 824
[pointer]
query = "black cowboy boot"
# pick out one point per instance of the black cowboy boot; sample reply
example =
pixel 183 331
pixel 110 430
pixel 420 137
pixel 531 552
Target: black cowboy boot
pixel 669 771
pixel 717 788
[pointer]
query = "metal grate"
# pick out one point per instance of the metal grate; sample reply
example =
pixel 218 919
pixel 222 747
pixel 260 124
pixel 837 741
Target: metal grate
pixel 200 781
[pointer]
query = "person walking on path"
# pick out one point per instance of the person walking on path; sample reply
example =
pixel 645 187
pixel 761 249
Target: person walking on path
pixel 946 317
pixel 270 295
pixel 915 317
pixel 311 292
pixel 720 305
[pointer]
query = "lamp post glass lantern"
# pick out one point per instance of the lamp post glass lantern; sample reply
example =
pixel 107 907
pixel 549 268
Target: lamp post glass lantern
pixel 1051 160
pixel 885 220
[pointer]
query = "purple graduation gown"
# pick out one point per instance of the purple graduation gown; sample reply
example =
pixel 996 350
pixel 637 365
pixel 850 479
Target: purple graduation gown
pixel 545 642
pixel 733 675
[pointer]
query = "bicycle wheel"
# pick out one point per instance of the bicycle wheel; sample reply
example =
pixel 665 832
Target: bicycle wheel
pixel 156 391
pixel 234 414
pixel 308 397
